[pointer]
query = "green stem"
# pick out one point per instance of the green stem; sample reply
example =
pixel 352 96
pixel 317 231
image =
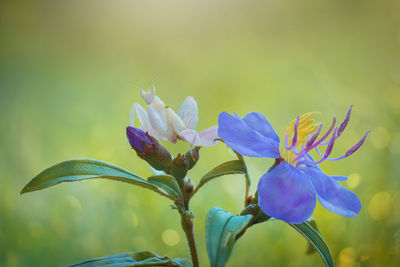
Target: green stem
pixel 187 226
pixel 247 177
pixel 187 223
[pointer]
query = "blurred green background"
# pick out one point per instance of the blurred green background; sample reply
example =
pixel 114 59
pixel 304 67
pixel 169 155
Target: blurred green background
pixel 70 71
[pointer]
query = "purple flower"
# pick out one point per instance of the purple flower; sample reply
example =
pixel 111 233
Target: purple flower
pixel 289 190
pixel 148 148
pixel 136 137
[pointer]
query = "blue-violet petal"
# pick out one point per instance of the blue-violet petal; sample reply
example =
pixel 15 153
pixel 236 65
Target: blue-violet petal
pixel 245 140
pixel 285 194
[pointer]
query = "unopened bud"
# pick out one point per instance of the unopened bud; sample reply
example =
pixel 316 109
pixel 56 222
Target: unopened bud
pixel 188 186
pixel 148 148
pixel 179 167
pixel 136 138
pixel 192 156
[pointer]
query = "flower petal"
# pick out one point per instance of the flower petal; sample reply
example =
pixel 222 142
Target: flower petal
pixel 238 135
pixel 188 112
pixel 204 138
pixel 339 178
pixel 191 136
pixel 260 124
pixel 208 136
pixel 333 196
pixel 284 193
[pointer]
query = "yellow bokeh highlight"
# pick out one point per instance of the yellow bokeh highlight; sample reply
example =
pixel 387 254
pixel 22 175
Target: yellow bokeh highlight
pixel 347 257
pixel 354 180
pixel 170 237
pixel 380 206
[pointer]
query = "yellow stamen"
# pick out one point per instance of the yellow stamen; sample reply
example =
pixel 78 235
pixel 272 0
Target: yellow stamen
pixel 307 127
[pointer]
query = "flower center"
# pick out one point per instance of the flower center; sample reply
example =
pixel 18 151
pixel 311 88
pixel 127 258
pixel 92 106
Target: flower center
pixel 304 136
pixel 298 131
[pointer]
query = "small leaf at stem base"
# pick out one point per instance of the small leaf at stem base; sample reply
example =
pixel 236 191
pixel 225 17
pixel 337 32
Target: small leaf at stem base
pixel 140 258
pixel 222 231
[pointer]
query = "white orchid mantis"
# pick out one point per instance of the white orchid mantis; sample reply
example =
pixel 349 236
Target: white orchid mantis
pixel 163 123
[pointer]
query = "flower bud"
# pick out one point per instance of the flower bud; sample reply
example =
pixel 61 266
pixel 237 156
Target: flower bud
pixel 179 167
pixel 136 138
pixel 192 156
pixel 148 148
pixel 188 186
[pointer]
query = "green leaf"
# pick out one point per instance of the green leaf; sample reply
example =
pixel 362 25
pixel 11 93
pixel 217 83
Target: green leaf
pixel 316 240
pixel 140 258
pixel 222 230
pixel 311 249
pixel 182 262
pixel 168 183
pixel 229 167
pixel 246 175
pixel 83 169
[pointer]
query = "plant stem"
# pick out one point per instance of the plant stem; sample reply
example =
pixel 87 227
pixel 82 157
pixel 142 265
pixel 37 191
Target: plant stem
pixel 246 175
pixel 187 222
pixel 187 226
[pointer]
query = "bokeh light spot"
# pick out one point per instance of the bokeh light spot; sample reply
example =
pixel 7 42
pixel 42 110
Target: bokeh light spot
pixel 347 257
pixel 170 237
pixel 354 180
pixel 380 206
